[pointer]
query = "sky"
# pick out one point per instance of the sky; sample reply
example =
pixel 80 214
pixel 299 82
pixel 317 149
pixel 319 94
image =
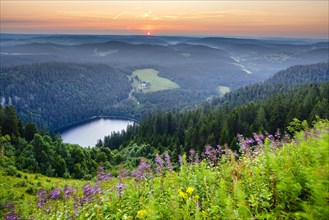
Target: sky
pixel 257 18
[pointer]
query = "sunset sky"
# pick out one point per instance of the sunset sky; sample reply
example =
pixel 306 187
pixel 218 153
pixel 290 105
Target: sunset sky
pixel 305 19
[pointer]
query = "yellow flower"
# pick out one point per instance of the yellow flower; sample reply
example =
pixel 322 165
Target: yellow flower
pixel 189 190
pixel 196 198
pixel 141 214
pixel 182 194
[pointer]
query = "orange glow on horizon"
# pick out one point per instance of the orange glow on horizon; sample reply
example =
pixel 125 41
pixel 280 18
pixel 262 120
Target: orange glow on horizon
pixel 211 18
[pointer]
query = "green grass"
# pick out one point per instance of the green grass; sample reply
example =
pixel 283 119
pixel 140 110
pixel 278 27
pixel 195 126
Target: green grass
pixel 281 179
pixel 222 90
pixel 185 54
pixel 23 187
pixel 150 76
pixel 104 53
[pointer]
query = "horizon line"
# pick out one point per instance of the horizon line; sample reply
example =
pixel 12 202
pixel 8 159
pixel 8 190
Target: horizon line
pixel 170 35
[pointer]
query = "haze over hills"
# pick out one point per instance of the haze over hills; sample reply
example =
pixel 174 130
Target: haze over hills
pixel 297 92
pixel 199 67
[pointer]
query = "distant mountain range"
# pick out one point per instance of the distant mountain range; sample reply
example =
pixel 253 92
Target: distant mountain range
pixel 211 56
pixel 199 66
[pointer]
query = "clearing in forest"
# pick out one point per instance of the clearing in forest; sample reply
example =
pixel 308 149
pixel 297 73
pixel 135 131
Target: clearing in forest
pixel 147 80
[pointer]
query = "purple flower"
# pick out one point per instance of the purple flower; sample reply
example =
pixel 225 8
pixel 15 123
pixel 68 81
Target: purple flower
pixel 12 215
pixel 87 189
pixel 196 159
pixel 277 134
pixel 89 192
pixel 240 137
pixel 159 162
pixel 101 175
pixel 244 146
pixel 42 196
pixel 120 188
pixel 168 162
pixel 123 173
pixel 106 176
pixel 180 159
pixel 68 191
pixel 192 155
pixel 306 135
pixel 270 137
pixel 140 172
pixel 210 154
pixel 8 205
pixel 249 141
pixel 55 194
pixel 258 139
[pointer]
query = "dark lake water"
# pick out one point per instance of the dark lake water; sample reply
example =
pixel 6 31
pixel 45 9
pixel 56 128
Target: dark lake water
pixel 87 133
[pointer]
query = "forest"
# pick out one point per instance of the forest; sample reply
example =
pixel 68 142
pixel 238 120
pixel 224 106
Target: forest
pixel 179 132
pixel 272 177
pixel 83 76
pixel 297 92
pixel 80 91
pixel 29 149
pixel 284 114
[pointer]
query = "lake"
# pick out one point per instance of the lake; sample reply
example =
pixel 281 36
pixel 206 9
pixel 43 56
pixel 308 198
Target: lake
pixel 87 133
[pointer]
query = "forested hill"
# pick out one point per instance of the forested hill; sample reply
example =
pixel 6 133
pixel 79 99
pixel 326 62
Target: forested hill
pixel 26 148
pixel 179 132
pixel 56 94
pixel 301 74
pixel 282 81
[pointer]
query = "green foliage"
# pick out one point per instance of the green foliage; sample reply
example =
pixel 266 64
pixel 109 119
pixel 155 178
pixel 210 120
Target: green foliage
pixel 297 125
pixel 178 132
pixel 281 179
pixel 33 151
pixel 81 91
pixel 40 91
pixel 10 171
pixel 22 191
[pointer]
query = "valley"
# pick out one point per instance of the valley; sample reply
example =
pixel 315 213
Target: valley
pixel 158 110
pixel 137 71
pixel 207 109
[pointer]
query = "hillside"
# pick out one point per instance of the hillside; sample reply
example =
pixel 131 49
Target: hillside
pixel 283 81
pixel 298 92
pixel 273 179
pixel 142 162
pixel 190 70
pixel 80 91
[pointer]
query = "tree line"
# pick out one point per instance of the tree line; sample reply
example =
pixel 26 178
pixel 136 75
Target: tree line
pixel 178 132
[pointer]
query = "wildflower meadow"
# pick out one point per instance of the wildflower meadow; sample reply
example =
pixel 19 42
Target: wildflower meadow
pixel 272 177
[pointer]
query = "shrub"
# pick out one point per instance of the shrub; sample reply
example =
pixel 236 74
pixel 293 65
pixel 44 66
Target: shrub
pixel 10 171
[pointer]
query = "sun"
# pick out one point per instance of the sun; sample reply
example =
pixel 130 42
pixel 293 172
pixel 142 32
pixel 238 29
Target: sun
pixel 148 33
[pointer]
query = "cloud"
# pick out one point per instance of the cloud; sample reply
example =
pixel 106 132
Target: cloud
pixel 17 21
pixel 119 15
pixel 145 15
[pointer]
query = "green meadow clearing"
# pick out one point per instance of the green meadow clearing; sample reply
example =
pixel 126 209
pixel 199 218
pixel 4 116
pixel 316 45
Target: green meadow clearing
pixel 153 82
pixel 222 90
pixel 21 188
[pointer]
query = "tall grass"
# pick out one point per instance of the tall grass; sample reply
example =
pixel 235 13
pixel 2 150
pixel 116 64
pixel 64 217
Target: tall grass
pixel 272 178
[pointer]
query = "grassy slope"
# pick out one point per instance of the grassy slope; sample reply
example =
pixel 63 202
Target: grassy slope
pixel 279 180
pixel 157 83
pixel 23 187
pixel 222 90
